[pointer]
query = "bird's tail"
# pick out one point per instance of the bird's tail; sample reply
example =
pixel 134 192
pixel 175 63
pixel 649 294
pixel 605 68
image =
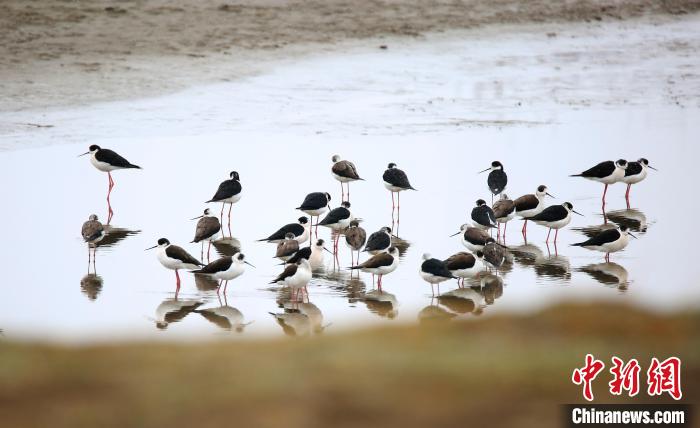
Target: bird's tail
pixel 412 188
pixel 134 166
pixel 576 175
pixel 578 244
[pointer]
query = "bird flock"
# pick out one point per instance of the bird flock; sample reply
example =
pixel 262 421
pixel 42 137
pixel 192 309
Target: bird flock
pixel 298 260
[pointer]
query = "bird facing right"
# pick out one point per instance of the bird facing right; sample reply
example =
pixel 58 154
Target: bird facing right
pixel 608 241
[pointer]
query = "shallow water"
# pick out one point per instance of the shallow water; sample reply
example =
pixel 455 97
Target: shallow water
pixel 429 106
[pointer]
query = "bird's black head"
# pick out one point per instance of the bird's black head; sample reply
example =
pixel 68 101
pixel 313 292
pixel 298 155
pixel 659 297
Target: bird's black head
pixel 496 165
pixel 93 217
pixel 320 243
pixel 328 196
pixel 480 202
pixel 163 241
pixel 621 163
pixel 386 229
pixel 479 255
pixel 234 175
pixel 391 165
pixel 94 148
pixel 541 188
pixel 207 211
pixel 335 158
pixel 354 223
pixel 346 204
pixel 392 249
pixel 568 205
pixel 303 220
pixel 240 257
pixel 644 161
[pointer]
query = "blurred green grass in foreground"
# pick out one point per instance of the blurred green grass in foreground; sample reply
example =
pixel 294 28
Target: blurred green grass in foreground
pixel 503 371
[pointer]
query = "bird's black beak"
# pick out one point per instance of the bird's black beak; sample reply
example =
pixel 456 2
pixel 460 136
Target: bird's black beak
pixel 455 234
pixel 150 248
pixel 649 166
pixel 487 169
pixel 576 212
pixel 550 195
pixel 197 217
pixel 630 234
pixel 247 263
pixel 86 153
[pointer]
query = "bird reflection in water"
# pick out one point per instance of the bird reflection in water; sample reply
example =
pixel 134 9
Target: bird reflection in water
pixel 463 301
pixel 491 287
pixel 174 310
pixel 91 285
pixel 225 317
pixel 608 273
pixel 342 282
pixel 382 303
pixel 434 314
pixel 227 246
pixel 300 319
pixel 633 218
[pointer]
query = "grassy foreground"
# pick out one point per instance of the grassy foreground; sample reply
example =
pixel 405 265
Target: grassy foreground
pixel 506 371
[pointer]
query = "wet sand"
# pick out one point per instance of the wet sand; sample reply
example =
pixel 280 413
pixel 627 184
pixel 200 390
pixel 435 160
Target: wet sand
pixel 68 53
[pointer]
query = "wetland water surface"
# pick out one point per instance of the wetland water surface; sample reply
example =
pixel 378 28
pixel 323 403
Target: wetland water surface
pixel 442 109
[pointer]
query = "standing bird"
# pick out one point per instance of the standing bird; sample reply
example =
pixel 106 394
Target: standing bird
pixel 494 253
pixel 434 271
pixel 287 248
pixel 345 172
pixel 296 277
pixel 504 211
pixel 472 237
pixel 608 241
pixel 93 231
pixel 314 254
pixel 355 238
pixel 396 181
pixel 529 205
pixel 607 172
pixel 379 241
pixel 107 161
pixel 229 192
pixel 497 179
pixel 380 264
pixel 314 205
pixel 465 265
pixel 208 228
pixel 634 173
pixel 299 229
pixel 338 219
pixel 225 269
pixel 483 216
pixel 555 217
pixel 175 258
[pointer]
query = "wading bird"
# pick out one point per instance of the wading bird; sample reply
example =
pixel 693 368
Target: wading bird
pixel 555 217
pixel 345 172
pixel 380 264
pixel 208 228
pixel 529 205
pixel 634 173
pixel 229 192
pixel 607 172
pixel 434 271
pixel 174 258
pixel 497 179
pixel 225 269
pixel 107 161
pixel 314 205
pixel 608 241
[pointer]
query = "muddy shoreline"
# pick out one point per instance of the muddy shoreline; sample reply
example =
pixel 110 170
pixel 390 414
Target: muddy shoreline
pixel 64 53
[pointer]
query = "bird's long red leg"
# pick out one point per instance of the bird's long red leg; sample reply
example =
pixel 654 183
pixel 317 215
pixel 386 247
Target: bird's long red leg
pixel 229 219
pixel 380 283
pixel 208 251
pixel 348 184
pixel 556 235
pixel 605 191
pixel 550 231
pixel 177 276
pixel 225 287
pixel 525 227
pixel 221 217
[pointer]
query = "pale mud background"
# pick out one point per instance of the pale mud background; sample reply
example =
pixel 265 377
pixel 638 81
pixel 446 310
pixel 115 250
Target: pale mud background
pixel 55 53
